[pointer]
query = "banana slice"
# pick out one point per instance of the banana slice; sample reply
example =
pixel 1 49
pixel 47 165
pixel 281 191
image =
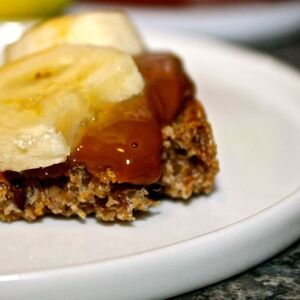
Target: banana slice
pixel 106 28
pixel 46 97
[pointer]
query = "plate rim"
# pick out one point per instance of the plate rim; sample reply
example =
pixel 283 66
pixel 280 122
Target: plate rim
pixel 282 203
pixel 148 262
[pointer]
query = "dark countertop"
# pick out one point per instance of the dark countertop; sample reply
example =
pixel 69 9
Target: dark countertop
pixel 278 278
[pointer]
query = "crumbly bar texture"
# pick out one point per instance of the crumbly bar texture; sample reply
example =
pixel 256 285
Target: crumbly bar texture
pixel 189 167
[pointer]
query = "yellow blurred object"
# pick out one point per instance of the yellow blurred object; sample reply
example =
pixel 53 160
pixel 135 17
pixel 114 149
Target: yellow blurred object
pixel 22 9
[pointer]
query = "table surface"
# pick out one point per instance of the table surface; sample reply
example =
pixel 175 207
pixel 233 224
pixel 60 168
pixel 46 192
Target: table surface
pixel 278 278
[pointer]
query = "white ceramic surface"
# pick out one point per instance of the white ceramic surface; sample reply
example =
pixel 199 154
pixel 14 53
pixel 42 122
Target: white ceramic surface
pixel 253 103
pixel 253 22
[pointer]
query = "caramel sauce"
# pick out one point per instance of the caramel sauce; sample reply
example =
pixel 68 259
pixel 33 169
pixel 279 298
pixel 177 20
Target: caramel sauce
pixel 130 143
pixel 51 172
pixel 167 85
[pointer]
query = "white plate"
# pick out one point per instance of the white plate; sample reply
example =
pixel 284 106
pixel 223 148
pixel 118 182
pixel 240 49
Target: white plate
pixel 253 104
pixel 251 22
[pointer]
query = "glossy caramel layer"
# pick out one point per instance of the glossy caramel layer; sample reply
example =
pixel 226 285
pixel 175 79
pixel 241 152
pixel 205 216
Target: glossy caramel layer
pixel 130 141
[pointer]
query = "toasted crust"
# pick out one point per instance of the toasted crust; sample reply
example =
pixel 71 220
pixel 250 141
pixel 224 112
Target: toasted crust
pixel 189 167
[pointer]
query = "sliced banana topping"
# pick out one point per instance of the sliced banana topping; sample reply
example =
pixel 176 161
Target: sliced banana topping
pixel 45 98
pixel 105 28
pixel 34 147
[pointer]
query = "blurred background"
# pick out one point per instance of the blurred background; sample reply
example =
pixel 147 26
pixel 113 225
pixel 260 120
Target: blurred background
pixel 269 25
